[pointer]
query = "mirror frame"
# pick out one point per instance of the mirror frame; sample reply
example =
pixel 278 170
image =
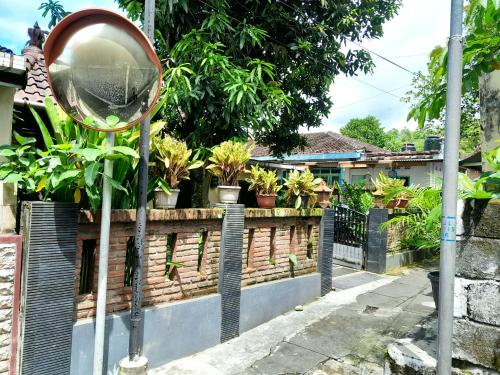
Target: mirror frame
pixel 76 21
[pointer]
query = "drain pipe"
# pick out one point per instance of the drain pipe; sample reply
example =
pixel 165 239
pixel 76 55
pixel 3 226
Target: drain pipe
pixel 450 184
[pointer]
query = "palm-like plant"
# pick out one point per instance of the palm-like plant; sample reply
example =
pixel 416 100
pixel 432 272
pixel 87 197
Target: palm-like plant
pixel 420 225
pixel 228 162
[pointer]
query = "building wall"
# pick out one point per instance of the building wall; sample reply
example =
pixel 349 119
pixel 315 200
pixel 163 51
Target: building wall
pixel 476 331
pixel 419 175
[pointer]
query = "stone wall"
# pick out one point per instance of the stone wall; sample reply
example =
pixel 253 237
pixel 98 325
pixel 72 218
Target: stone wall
pixel 193 236
pixel 477 286
pixel 9 285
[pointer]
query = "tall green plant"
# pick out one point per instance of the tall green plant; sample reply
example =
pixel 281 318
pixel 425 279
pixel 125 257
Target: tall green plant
pixel 71 164
pixel 420 225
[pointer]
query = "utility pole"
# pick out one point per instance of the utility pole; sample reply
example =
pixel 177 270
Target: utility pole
pixel 136 363
pixel 450 184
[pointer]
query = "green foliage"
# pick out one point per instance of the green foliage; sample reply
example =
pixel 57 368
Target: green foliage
pixel 356 197
pixel 419 227
pixel 266 67
pixel 480 55
pixel 262 181
pixel 71 165
pixel 56 11
pixel 368 129
pixel 299 184
pixel 228 161
pixel 385 184
pixel 487 186
pixel 174 161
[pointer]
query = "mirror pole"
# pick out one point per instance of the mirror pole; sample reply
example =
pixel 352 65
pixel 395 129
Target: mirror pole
pixel 103 261
pixel 136 324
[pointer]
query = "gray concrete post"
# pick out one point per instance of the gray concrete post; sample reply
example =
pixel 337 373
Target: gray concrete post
pixel 376 241
pixel 230 266
pixel 325 251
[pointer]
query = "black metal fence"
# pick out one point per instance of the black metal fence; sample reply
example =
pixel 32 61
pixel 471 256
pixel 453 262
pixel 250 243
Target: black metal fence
pixel 350 227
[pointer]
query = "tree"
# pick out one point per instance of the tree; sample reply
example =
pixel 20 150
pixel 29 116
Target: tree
pixel 56 11
pixel 481 54
pixel 366 129
pixel 257 67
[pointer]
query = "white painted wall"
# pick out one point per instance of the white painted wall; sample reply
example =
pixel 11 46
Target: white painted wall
pixel 419 175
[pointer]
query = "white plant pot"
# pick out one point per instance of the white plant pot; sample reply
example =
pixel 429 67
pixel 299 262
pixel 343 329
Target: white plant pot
pixel 229 194
pixel 164 200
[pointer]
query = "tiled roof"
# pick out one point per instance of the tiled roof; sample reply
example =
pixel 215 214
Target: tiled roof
pixel 325 143
pixel 37 86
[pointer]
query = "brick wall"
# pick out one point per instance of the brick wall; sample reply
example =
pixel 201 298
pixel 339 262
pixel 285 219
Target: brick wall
pixel 192 237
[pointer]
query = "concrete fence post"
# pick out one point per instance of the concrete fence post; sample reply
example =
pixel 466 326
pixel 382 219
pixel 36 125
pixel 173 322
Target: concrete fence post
pixel 376 241
pixel 230 268
pixel 325 251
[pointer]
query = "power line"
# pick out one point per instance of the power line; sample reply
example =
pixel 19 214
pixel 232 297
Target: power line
pixel 382 57
pixel 359 45
pixel 370 97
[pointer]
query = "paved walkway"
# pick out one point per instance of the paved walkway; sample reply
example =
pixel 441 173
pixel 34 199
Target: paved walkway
pixel 345 332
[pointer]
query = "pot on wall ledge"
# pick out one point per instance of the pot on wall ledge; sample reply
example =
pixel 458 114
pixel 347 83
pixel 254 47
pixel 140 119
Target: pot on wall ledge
pixel 164 200
pixel 229 194
pixel 266 200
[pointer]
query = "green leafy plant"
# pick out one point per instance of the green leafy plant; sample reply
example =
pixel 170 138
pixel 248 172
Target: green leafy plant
pixel 384 184
pixel 301 184
pixel 262 181
pixel 70 166
pixel 356 197
pixel 228 161
pixel 174 161
pixel 487 186
pixel 293 259
pixel 419 226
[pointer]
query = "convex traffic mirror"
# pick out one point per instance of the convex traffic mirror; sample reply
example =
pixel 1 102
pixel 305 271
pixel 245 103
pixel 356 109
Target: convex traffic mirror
pixel 102 70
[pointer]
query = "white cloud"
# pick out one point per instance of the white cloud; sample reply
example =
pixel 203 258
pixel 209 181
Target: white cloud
pixel 416 30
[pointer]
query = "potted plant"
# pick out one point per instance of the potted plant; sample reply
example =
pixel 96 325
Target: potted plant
pixel 173 164
pixel 302 186
pixel 228 163
pixel 265 184
pixel 387 188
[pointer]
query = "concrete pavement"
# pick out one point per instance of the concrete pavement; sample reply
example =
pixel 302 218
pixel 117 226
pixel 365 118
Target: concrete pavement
pixel 345 332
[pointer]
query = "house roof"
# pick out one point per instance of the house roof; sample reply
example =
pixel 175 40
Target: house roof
pixel 325 143
pixel 403 156
pixel 37 86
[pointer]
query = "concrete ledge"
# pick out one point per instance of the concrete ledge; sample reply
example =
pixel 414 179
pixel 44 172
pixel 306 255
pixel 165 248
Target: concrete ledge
pixel 263 302
pixel 406 258
pixel 171 331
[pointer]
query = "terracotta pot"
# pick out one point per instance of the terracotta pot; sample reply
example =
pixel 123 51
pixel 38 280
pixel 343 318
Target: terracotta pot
pixel 266 200
pixel 391 204
pixel 229 194
pixel 164 200
pixel 402 202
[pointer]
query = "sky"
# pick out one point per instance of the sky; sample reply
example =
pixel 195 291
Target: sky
pixel 408 38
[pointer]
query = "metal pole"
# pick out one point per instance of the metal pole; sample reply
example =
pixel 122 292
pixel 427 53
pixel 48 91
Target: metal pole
pixel 100 319
pixel 135 349
pixel 450 178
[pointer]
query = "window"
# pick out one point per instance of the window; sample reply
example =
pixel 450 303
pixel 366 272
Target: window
pixel 329 175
